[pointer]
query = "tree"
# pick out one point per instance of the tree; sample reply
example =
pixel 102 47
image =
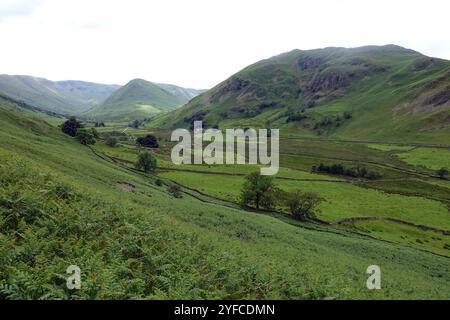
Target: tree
pixel 146 162
pixel 134 124
pixel 95 133
pixel 148 141
pixel 258 190
pixel 303 205
pixel 111 141
pixel 71 126
pixel 85 137
pixel 442 173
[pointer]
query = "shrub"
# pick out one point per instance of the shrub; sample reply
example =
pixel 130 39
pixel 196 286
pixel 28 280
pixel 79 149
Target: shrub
pixel 303 205
pixel 111 141
pixel 175 190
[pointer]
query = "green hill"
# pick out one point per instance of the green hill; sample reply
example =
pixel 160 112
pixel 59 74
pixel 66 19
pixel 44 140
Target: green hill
pixel 67 97
pixel 59 206
pixel 384 93
pixel 140 99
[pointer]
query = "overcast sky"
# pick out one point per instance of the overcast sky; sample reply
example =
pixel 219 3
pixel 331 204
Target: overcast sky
pixel 198 43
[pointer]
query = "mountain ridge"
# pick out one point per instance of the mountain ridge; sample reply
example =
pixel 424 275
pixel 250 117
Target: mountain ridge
pixel 69 97
pixel 140 98
pixel 83 98
pixel 364 92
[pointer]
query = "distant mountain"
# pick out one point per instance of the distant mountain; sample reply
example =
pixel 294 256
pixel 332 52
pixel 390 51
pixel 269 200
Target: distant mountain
pixel 376 92
pixel 68 97
pixel 140 99
pixel 185 93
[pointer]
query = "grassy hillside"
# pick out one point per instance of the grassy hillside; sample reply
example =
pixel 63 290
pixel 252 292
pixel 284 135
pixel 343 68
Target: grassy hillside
pixel 61 204
pixel 386 93
pixel 67 97
pixel 140 99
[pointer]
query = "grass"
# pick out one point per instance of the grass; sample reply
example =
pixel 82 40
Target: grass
pixel 429 240
pixel 147 244
pixel 388 147
pixel 342 200
pixel 431 158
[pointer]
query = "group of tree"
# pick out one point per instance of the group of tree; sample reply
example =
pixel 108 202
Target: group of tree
pixel 296 117
pixel 328 123
pixel 99 124
pixel 354 172
pixel 149 141
pixel 138 123
pixel 260 191
pixel 74 128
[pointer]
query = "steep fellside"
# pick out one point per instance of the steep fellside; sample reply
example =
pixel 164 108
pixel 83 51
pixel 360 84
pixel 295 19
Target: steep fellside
pixel 377 93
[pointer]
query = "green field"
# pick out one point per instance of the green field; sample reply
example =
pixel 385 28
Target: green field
pixel 403 193
pixel 343 200
pixel 63 205
pixel 431 158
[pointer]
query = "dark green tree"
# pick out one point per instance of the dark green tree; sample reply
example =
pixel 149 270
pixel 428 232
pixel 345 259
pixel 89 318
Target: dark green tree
pixel 149 141
pixel 85 137
pixel 442 173
pixel 146 162
pixel 111 141
pixel 258 191
pixel 71 126
pixel 95 133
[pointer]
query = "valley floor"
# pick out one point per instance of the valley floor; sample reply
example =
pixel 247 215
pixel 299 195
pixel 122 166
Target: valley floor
pixel 63 204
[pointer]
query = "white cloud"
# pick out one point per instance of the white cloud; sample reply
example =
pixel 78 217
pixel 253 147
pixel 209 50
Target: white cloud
pixel 198 43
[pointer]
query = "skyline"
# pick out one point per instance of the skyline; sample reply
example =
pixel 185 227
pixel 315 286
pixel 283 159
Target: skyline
pixel 81 40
